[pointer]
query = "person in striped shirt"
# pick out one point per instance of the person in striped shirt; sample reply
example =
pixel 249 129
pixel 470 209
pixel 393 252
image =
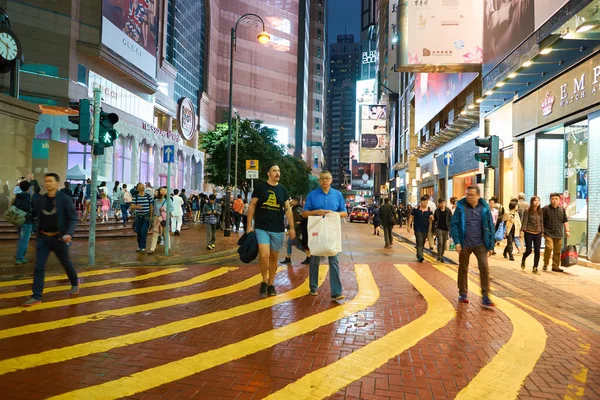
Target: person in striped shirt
pixel 141 203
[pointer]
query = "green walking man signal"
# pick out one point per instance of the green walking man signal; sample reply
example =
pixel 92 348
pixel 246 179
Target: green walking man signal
pixel 491 158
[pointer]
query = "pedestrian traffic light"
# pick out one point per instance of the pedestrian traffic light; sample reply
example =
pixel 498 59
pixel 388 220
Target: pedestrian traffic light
pixel 83 120
pixel 107 133
pixel 491 157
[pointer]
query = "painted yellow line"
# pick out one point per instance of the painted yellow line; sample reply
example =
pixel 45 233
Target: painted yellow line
pixel 502 378
pixel 368 293
pixel 114 295
pixel 543 314
pixel 97 346
pixel 119 312
pixel 576 391
pixel 96 283
pixel 63 276
pixel 334 377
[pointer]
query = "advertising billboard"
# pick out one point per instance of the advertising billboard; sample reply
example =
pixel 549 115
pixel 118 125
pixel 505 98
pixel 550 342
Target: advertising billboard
pixel 366 93
pixel 435 91
pixel 362 176
pixel 507 23
pixel 444 32
pixel 129 28
pixel 374 134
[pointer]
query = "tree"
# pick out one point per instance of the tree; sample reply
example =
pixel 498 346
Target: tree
pixel 255 142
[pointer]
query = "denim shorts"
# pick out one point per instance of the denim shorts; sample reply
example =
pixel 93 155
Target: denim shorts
pixel 274 239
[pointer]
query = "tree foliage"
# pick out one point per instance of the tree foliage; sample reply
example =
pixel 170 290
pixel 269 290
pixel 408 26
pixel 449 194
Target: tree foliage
pixel 255 142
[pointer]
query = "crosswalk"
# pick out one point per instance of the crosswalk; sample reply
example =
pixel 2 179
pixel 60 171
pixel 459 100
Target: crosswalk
pixel 501 378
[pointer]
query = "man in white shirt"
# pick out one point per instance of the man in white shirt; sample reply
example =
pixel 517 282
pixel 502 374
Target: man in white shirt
pixel 176 213
pixel 432 207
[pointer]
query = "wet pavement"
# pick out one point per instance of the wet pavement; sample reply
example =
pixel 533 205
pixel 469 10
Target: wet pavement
pixel 200 330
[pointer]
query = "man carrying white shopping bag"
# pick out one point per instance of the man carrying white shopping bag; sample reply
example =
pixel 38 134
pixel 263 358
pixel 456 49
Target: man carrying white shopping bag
pixel 325 207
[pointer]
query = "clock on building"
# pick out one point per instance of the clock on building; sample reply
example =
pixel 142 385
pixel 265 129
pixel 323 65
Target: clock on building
pixel 10 49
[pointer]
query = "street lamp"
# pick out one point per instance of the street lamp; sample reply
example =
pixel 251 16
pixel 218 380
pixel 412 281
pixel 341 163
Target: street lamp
pixel 251 21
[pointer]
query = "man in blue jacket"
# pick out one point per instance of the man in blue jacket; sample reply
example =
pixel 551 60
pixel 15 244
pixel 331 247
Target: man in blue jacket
pixel 57 220
pixel 473 230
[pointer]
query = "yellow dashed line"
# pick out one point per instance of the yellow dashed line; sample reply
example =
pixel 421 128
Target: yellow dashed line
pixel 328 380
pixel 102 345
pixel 62 277
pixel 119 312
pixel 96 283
pixel 368 294
pixel 113 295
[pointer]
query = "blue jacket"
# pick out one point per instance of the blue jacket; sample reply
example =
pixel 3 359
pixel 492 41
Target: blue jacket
pixel 459 221
pixel 67 215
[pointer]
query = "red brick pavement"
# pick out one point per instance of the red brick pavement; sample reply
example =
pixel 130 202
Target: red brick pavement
pixel 439 366
pixel 190 247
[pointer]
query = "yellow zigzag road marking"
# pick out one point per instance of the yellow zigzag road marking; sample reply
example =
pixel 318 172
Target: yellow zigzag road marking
pixel 368 293
pixel 577 390
pixel 124 293
pixel 328 380
pixel 61 277
pixel 96 284
pixel 543 314
pixel 82 319
pixel 97 346
pixel 502 378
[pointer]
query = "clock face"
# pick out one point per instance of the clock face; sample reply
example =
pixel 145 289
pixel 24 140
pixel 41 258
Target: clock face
pixel 8 47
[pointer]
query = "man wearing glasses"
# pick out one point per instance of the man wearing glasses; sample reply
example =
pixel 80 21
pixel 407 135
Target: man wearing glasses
pixel 319 202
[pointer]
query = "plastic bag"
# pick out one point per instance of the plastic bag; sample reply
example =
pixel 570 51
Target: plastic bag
pixel 568 256
pixel 325 235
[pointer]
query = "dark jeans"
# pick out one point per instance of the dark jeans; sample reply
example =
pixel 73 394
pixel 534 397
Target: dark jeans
pixel 335 283
pixel 45 245
pixel 245 222
pixel 124 208
pixel 23 244
pixel 533 240
pixel 442 239
pixel 237 218
pixel 387 234
pixel 463 269
pixel 420 238
pixel 142 222
pixel 510 238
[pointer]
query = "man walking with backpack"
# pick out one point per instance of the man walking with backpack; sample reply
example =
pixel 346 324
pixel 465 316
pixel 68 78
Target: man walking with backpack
pixel 125 199
pixel 57 219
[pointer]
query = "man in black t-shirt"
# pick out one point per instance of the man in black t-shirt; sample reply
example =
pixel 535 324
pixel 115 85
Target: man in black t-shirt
pixel 270 202
pixel 57 220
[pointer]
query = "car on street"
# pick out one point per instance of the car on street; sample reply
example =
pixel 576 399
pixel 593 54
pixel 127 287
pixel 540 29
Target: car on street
pixel 359 214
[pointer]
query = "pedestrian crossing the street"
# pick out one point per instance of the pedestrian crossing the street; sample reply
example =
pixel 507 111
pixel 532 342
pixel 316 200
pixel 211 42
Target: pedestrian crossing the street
pixel 204 332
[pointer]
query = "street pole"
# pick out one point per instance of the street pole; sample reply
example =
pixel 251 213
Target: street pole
pixel 237 132
pixel 167 237
pixel 447 188
pixel 486 179
pixel 94 188
pixel 228 189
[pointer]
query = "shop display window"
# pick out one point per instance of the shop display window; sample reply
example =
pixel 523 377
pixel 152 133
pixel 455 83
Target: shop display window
pixel 575 197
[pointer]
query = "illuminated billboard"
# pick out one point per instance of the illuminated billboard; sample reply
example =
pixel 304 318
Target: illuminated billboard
pixel 129 28
pixel 374 134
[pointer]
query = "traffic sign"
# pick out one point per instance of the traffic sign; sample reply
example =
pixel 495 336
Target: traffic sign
pixel 251 174
pixel 448 159
pixel 169 154
pixel 252 165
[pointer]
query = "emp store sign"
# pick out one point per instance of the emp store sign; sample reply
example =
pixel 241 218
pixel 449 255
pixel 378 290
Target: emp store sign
pixel 186 118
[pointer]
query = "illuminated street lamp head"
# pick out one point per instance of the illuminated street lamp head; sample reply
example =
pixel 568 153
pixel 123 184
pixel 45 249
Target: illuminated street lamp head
pixel 263 37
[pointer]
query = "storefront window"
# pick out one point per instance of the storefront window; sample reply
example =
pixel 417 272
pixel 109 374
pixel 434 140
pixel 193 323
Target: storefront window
pixel 127 151
pixel 576 173
pixel 151 153
pixel 180 171
pixel 118 160
pixel 78 154
pixel 144 154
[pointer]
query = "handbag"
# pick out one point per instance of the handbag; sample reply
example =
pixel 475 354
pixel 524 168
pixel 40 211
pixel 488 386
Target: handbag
pixel 568 256
pixel 163 215
pixel 594 250
pixel 500 232
pixel 15 216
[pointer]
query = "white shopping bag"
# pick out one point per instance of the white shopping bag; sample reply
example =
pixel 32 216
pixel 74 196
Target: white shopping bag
pixel 325 235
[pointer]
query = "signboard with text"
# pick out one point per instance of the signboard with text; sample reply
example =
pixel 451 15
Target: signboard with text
pixel 252 165
pixel 374 136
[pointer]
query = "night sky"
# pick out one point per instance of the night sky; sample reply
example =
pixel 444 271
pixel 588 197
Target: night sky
pixel 340 13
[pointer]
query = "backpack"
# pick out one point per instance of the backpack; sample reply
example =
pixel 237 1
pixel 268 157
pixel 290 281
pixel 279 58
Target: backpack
pixel 248 247
pixel 127 197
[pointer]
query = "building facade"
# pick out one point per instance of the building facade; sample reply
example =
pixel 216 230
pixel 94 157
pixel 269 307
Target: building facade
pixel 343 72
pixel 146 63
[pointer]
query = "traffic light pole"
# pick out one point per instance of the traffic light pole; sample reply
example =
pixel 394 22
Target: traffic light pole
pixel 487 171
pixel 167 222
pixel 94 189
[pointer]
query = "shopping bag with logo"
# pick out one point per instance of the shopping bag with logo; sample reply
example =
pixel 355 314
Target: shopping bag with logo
pixel 594 251
pixel 500 232
pixel 325 235
pixel 568 256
